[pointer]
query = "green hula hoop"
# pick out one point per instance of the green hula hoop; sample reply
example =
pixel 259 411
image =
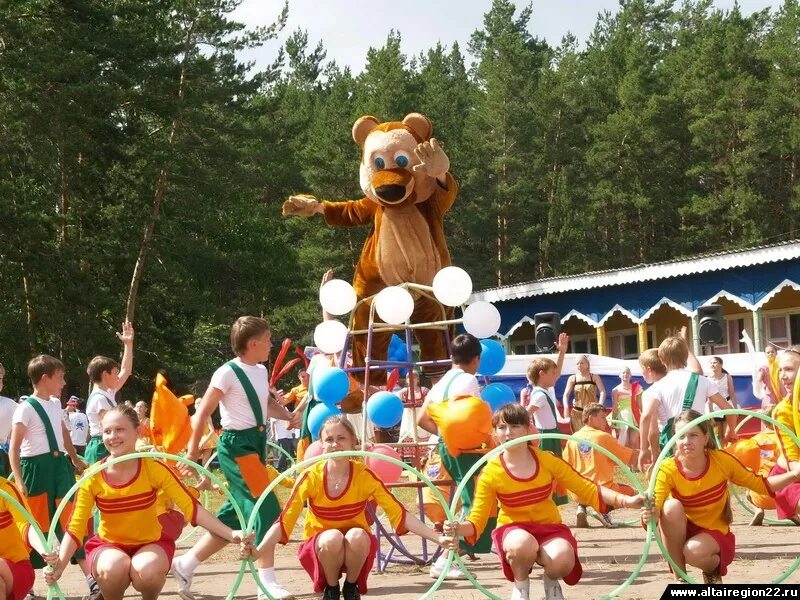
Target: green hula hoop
pixel 746 505
pixel 663 456
pixel 205 495
pixel 282 451
pixel 556 436
pixel 98 467
pixel 348 454
pixel 35 526
pixel 623 424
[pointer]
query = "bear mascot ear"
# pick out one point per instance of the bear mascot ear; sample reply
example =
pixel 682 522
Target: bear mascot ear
pixel 419 124
pixel 362 128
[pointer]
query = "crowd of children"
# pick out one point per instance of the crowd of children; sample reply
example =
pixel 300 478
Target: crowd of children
pixel 511 504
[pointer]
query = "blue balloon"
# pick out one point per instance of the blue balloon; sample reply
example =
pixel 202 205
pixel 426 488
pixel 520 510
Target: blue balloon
pixel 397 351
pixel 330 384
pixel 385 409
pixel 497 395
pixel 317 417
pixel 493 358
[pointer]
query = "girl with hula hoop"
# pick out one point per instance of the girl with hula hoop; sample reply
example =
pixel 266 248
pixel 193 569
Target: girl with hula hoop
pixel 135 540
pixel 530 531
pixel 336 536
pixel 692 501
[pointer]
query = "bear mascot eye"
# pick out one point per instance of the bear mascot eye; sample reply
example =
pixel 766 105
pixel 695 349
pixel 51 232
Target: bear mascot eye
pixel 379 162
pixel 401 160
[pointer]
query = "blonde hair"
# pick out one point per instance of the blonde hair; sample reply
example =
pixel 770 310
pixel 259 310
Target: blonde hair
pixel 344 422
pixel 649 359
pixel 674 352
pixel 537 366
pixel 126 411
pixel 245 329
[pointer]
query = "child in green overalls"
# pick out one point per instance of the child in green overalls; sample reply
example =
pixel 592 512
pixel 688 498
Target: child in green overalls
pixel 38 450
pixel 240 388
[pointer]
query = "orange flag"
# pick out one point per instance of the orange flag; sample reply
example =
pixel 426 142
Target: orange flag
pixel 169 419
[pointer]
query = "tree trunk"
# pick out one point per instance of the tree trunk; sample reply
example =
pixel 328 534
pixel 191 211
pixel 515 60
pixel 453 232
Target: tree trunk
pixel 160 189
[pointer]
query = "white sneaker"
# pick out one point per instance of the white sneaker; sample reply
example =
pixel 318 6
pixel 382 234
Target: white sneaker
pixel 552 589
pixel 275 590
pixel 454 572
pixel 520 592
pixel 183 579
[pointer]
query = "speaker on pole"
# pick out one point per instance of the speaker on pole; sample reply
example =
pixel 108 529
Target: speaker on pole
pixel 711 325
pixel 548 326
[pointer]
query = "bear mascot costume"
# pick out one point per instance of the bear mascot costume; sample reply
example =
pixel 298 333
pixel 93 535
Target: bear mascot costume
pixel 404 174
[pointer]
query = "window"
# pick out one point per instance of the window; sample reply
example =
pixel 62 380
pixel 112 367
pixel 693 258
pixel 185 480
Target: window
pixel 524 347
pixel 625 344
pixel 583 344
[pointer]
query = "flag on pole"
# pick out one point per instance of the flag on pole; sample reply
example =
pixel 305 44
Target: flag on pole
pixel 169 419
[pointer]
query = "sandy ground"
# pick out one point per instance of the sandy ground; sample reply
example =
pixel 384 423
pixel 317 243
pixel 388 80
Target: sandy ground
pixel 608 557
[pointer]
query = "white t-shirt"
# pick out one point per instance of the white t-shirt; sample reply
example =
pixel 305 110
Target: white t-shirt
pixel 463 384
pixel 98 400
pixel 282 431
pixel 7 408
pixel 35 441
pixel 78 427
pixel 234 408
pixel 669 392
pixel 543 418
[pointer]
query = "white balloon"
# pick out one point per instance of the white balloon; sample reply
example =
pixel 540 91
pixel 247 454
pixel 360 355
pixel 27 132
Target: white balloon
pixel 452 286
pixel 329 336
pixel 482 319
pixel 394 305
pixel 337 297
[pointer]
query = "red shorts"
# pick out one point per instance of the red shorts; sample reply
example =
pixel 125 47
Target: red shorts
pixel 23 575
pixel 94 544
pixel 307 554
pixel 542 534
pixel 786 500
pixel 725 541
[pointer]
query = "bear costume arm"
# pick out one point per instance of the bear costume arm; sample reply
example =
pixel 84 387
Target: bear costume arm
pixel 351 213
pixel 445 195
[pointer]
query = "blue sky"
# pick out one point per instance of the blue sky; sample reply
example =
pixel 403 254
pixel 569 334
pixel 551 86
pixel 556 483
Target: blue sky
pixel 348 28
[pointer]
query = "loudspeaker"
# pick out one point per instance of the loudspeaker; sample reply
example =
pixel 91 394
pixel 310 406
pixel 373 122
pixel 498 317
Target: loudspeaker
pixel 711 328
pixel 548 326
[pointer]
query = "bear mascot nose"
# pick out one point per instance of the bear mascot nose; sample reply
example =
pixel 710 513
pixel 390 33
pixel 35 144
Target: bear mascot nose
pixel 391 193
pixel 391 185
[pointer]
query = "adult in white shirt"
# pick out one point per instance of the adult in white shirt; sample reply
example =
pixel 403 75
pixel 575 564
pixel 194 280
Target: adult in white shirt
pixel 286 438
pixel 78 425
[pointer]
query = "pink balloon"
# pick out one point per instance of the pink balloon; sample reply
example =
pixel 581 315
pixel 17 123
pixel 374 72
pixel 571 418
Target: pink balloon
pixel 315 449
pixel 386 471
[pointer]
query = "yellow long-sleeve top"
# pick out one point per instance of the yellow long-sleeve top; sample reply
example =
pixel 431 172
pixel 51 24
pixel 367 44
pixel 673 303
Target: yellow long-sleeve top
pixel 13 526
pixel 129 512
pixel 783 414
pixel 346 511
pixel 704 497
pixel 528 500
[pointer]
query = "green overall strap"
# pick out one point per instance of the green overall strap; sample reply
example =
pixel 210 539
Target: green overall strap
pixel 688 401
pixel 48 426
pixel 446 394
pixel 249 390
pixel 550 402
pixel 113 403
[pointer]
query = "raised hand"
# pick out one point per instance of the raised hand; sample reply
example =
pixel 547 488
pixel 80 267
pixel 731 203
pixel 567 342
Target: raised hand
pixel 432 159
pixel 301 205
pixel 126 337
pixel 563 342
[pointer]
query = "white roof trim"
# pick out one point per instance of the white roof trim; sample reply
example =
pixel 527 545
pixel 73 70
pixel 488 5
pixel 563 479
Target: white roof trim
pixel 622 311
pixel 728 296
pixel 516 326
pixel 578 315
pixel 775 291
pixel 627 276
pixel 667 302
